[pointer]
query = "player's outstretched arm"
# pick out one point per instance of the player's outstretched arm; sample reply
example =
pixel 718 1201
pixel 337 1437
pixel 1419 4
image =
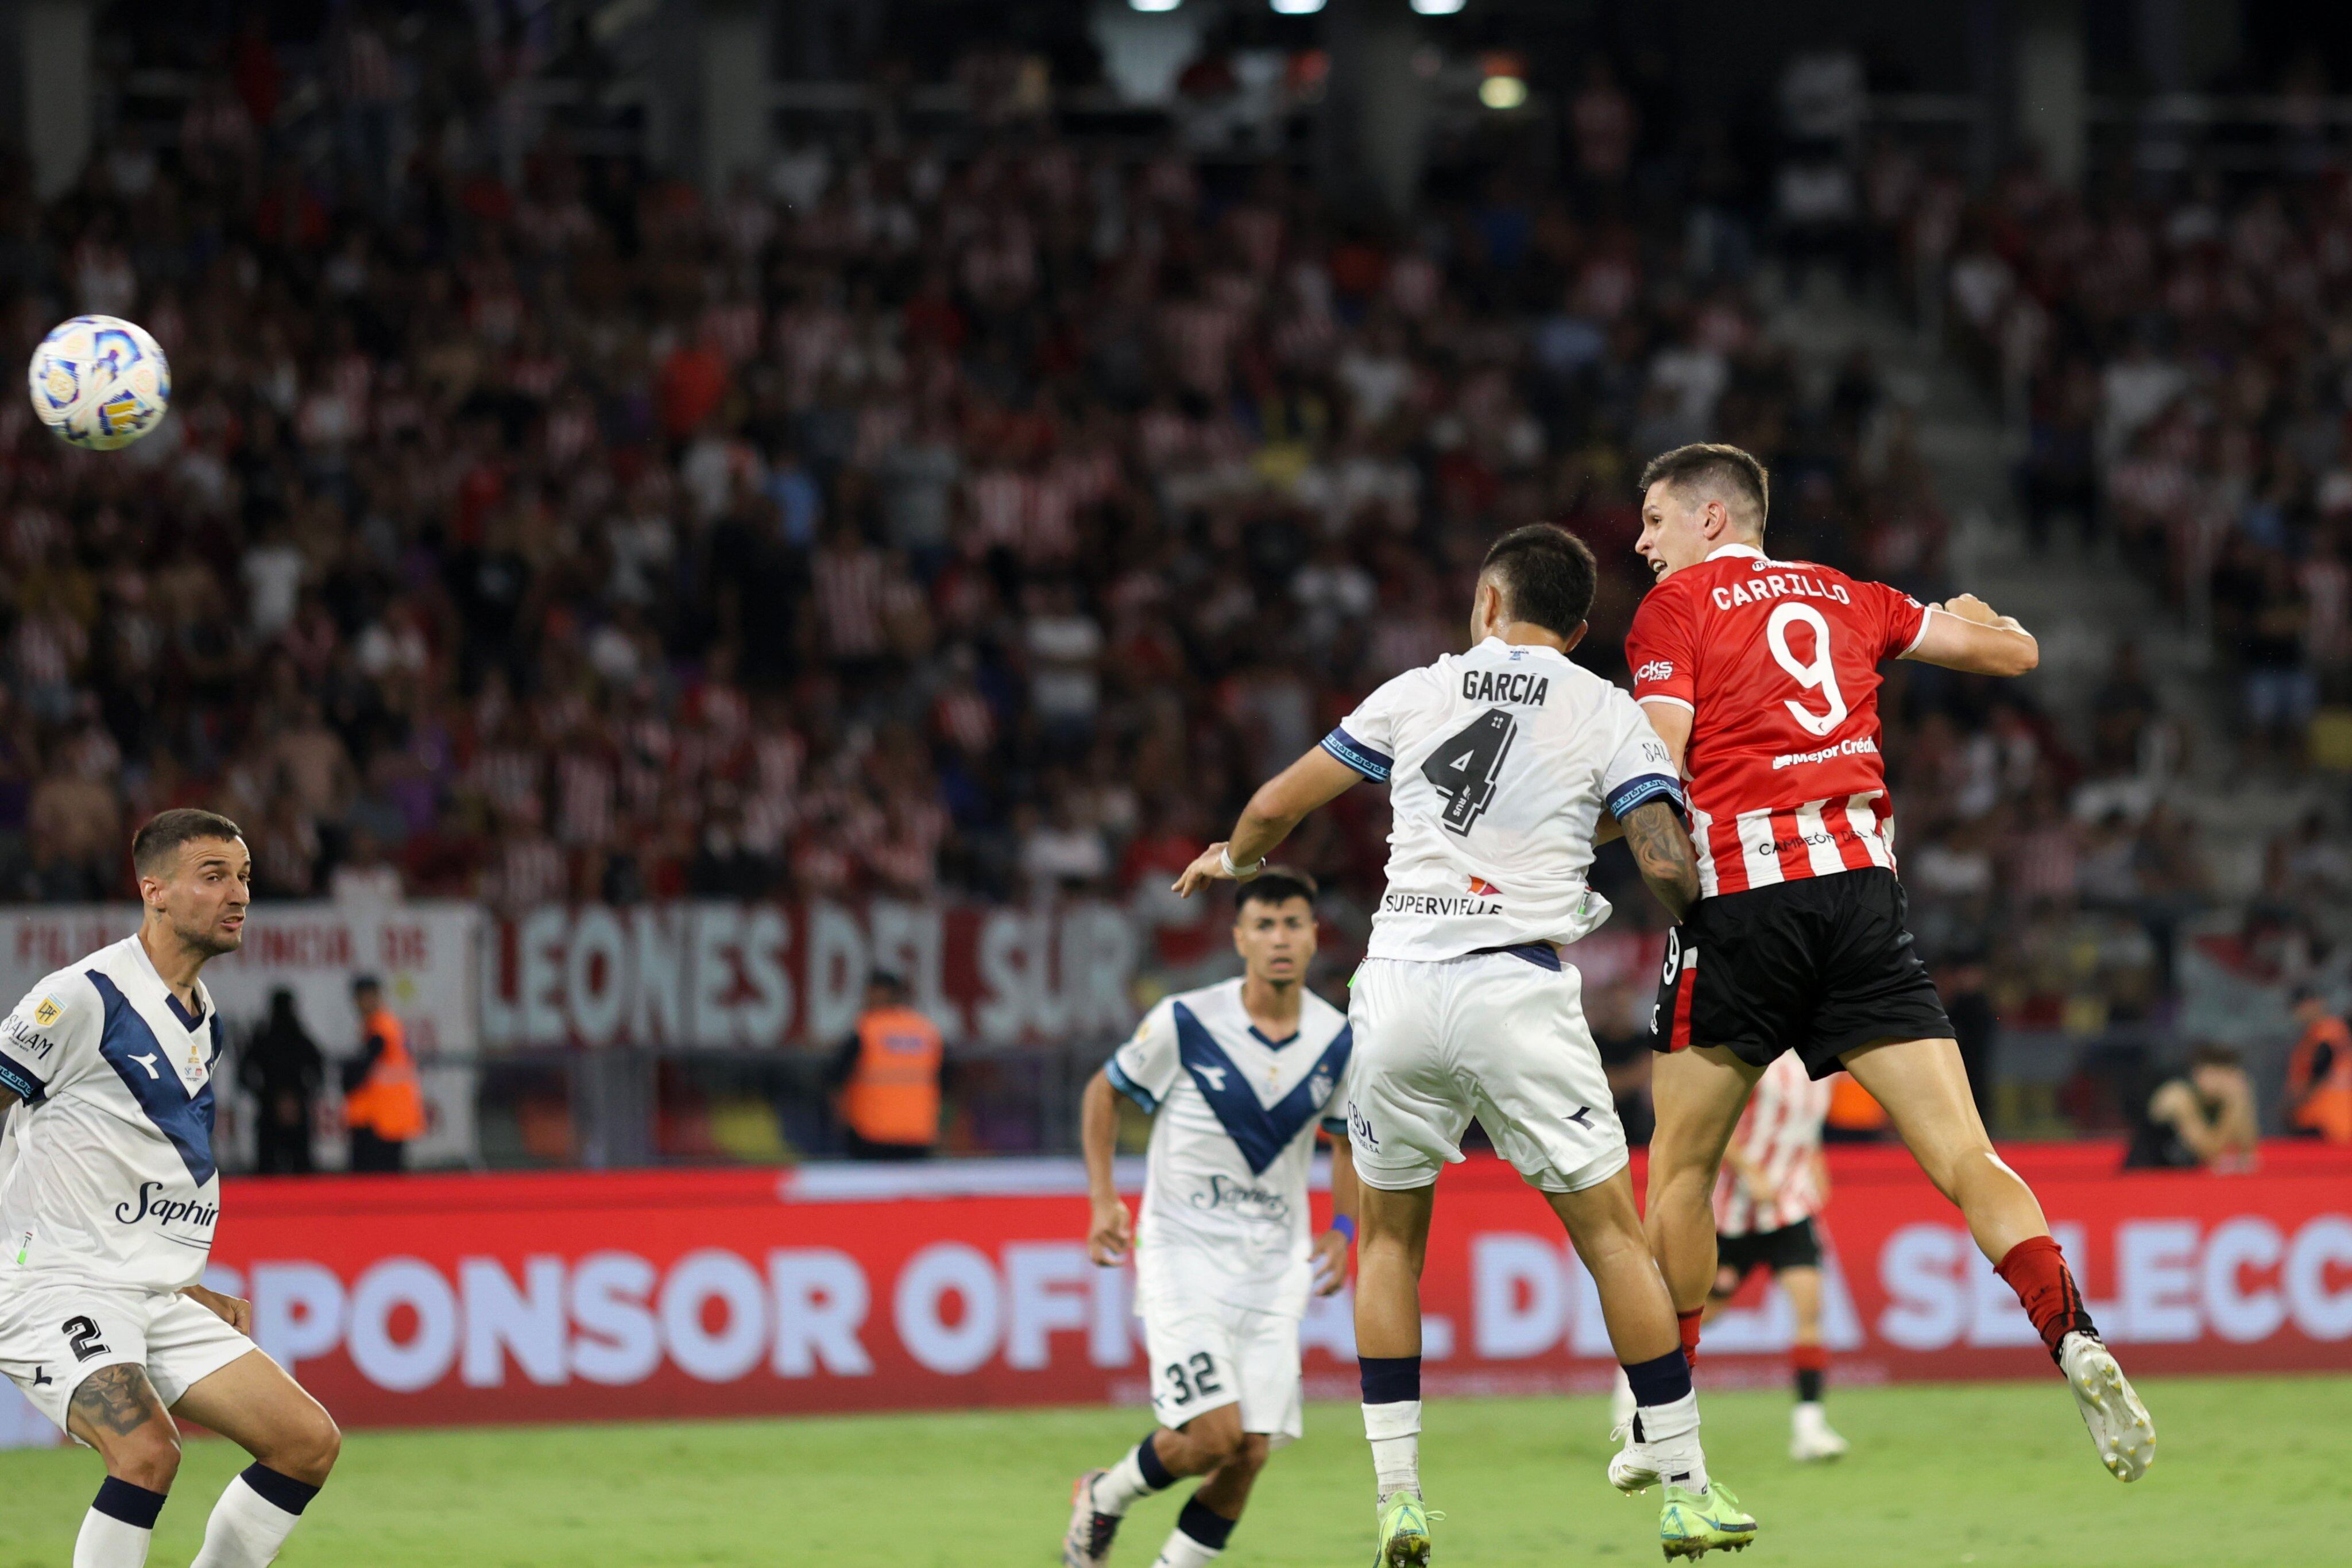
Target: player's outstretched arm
pixel 1964 634
pixel 1280 804
pixel 1663 852
pixel 1111 1230
pixel 7 1097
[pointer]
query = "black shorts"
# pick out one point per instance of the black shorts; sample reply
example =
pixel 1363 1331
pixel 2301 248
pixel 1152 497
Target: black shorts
pixel 1817 966
pixel 1797 1246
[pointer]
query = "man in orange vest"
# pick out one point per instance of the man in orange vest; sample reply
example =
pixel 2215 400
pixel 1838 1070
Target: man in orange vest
pixel 383 1105
pixel 889 1074
pixel 2319 1072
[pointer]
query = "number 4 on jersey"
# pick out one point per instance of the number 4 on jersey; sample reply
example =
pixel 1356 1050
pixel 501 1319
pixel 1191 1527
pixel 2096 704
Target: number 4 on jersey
pixel 1465 765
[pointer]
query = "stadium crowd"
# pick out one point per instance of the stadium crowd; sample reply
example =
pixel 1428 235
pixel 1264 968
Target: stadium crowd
pixel 2176 365
pixel 985 516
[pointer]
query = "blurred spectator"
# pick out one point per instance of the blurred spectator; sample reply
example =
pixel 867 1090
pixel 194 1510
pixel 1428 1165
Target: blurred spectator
pixel 2319 1072
pixel 283 1070
pixel 2203 1116
pixel 383 1102
pixel 888 1075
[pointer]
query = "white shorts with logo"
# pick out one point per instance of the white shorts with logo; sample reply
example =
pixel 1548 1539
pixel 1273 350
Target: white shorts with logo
pixel 1206 1353
pixel 1491 1035
pixel 55 1332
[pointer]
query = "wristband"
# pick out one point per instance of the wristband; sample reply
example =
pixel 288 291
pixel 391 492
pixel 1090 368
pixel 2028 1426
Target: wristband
pixel 1239 873
pixel 1345 1224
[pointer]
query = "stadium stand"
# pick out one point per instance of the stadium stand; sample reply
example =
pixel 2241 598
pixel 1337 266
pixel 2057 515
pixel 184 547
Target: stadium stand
pixel 980 516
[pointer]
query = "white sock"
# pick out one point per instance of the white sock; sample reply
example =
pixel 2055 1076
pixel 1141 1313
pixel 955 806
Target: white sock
pixel 106 1542
pixel 245 1530
pixel 1182 1552
pixel 1118 1488
pixel 1396 1433
pixel 1670 1433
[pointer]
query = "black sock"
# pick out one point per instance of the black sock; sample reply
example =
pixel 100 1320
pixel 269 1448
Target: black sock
pixel 1205 1525
pixel 1147 1459
pixel 1389 1379
pixel 133 1505
pixel 277 1488
pixel 1808 1385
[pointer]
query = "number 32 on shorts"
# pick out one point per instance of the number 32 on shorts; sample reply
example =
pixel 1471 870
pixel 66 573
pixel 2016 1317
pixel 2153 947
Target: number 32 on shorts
pixel 1188 1381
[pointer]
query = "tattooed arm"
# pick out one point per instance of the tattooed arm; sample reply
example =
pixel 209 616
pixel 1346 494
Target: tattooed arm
pixel 1663 852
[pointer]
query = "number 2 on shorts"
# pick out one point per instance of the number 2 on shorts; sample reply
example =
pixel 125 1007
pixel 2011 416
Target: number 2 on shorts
pixel 81 1338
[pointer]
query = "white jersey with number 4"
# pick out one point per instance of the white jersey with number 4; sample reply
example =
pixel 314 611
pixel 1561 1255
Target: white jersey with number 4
pixel 1235 1116
pixel 110 1176
pixel 1499 762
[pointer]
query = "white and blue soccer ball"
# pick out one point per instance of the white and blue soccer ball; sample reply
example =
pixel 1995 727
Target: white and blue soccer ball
pixel 100 383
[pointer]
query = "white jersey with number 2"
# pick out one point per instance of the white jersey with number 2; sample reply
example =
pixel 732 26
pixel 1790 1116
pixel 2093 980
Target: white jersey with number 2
pixel 1499 762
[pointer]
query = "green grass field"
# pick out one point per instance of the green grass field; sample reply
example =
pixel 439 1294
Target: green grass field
pixel 2250 1471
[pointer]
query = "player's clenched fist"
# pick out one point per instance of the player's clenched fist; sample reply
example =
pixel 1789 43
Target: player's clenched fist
pixel 1112 1232
pixel 1968 607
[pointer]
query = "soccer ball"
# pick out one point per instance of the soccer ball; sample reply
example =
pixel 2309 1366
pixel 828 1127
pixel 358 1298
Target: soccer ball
pixel 100 383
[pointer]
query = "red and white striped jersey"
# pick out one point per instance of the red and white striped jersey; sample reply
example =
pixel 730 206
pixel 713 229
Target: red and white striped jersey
pixel 1778 663
pixel 1779 1135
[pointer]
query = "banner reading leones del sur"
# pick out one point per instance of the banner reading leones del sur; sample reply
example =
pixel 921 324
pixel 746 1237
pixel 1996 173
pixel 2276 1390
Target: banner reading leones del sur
pixel 711 975
pixel 453 1299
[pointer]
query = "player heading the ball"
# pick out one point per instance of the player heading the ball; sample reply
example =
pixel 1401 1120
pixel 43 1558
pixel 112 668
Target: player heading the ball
pixel 1763 677
pixel 1502 764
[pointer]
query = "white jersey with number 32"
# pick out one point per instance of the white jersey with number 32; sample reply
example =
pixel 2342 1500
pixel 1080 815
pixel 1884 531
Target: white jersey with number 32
pixel 1499 762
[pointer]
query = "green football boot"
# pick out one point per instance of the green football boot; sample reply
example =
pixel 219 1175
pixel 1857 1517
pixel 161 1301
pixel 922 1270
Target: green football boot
pixel 1695 1524
pixel 1404 1534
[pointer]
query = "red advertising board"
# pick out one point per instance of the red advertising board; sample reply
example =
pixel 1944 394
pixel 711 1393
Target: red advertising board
pixel 440 1300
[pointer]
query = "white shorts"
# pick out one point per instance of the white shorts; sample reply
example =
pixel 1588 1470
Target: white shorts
pixel 1206 1354
pixel 1491 1035
pixel 55 1332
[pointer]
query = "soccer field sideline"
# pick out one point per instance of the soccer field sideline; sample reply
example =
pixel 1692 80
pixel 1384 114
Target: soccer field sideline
pixel 1981 1473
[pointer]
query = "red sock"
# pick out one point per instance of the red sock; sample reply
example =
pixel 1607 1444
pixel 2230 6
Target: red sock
pixel 1688 1321
pixel 2045 1288
pixel 1809 1362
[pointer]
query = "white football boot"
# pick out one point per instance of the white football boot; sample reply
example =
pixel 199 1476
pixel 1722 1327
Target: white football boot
pixel 1810 1436
pixel 1630 1468
pixel 2119 1424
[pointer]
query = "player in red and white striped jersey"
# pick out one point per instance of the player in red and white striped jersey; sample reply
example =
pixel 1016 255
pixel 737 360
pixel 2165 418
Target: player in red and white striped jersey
pixel 1773 1184
pixel 1761 676
pixel 1772 1176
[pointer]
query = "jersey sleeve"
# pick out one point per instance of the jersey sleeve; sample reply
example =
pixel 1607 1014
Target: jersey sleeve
pixel 1366 741
pixel 1903 619
pixel 1640 769
pixel 1661 648
pixel 46 1041
pixel 1144 1068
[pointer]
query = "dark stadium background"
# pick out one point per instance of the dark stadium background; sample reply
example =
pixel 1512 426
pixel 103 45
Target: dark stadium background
pixel 630 453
